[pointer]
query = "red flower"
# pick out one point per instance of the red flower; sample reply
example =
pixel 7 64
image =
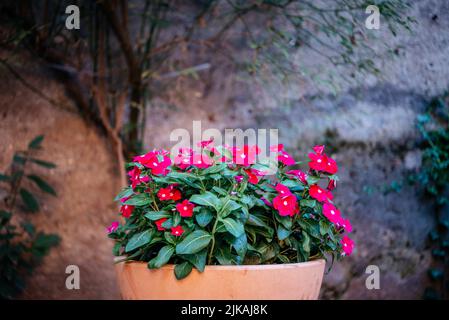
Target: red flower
pixel 332 184
pixel 318 149
pixel 169 193
pixel 286 159
pixel 331 213
pixel 317 161
pixel 159 224
pixel 246 155
pixel 286 205
pixel 177 231
pixel 201 161
pixel 126 210
pixel 157 161
pixel 347 245
pixel 185 208
pixel 282 190
pixel 302 176
pixel 330 166
pixel 136 179
pixel 238 179
pixel 319 193
pixel 252 176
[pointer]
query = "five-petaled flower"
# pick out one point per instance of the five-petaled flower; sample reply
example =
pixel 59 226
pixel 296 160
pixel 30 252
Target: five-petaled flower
pixel 319 161
pixel 286 159
pixel 159 224
pixel 201 161
pixel 252 176
pixel 126 210
pixel 347 245
pixel 246 155
pixel 185 208
pixel 169 193
pixel 345 224
pixel 158 161
pixel 302 176
pixel 331 213
pixel 113 227
pixel 136 178
pixel 286 205
pixel 319 193
pixel 177 231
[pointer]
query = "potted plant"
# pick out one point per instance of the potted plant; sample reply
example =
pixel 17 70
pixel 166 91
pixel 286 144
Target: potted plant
pixel 213 225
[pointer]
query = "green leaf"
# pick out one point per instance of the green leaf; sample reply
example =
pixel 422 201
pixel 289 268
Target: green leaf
pixel 228 206
pixel 156 215
pixel 141 199
pixel 194 242
pixel 44 186
pixel 307 203
pixel 125 193
pixel 168 223
pixel 18 159
pixel 283 233
pixel 312 179
pixel 204 217
pixel 214 169
pixel 29 200
pixel 198 259
pixel 306 242
pixel 43 242
pixel 29 228
pixel 256 221
pixel 4 177
pixel 206 199
pixel 36 142
pixel 240 245
pixel 234 227
pixel 162 257
pixel 42 163
pixel 183 270
pixel 138 240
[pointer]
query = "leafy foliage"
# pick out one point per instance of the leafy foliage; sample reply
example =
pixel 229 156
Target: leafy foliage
pixel 21 246
pixel 223 213
pixel 434 177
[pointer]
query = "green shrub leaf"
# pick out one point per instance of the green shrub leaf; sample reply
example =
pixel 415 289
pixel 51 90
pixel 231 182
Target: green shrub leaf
pixel 162 257
pixel 183 270
pixel 44 186
pixel 29 200
pixel 194 242
pixel 138 240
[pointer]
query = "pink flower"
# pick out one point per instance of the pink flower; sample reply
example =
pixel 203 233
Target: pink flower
pixel 318 149
pixel 184 158
pixel 347 245
pixel 238 178
pixel 319 193
pixel 126 210
pixel 159 224
pixel 282 190
pixel 136 178
pixel 169 193
pixel 345 224
pixel 246 155
pixel 302 176
pixel 277 148
pixel 185 208
pixel 331 213
pixel 286 205
pixel 157 161
pixel 286 159
pixel 113 227
pixel 177 231
pixel 206 143
pixel 201 161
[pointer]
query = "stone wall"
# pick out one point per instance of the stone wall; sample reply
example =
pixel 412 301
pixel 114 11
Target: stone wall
pixel 369 127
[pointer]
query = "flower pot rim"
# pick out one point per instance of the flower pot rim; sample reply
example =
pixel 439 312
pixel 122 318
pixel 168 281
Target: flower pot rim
pixel 306 264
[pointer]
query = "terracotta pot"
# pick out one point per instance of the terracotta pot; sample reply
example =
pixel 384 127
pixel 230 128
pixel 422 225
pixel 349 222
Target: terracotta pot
pixel 294 281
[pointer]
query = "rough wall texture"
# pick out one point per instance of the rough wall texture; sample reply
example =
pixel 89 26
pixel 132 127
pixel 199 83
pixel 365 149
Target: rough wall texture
pixel 84 179
pixel 370 127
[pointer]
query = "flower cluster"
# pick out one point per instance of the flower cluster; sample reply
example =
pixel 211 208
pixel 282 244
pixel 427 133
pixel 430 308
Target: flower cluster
pixel 219 206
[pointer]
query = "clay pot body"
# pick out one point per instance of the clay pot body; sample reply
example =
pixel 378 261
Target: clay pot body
pixel 296 281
